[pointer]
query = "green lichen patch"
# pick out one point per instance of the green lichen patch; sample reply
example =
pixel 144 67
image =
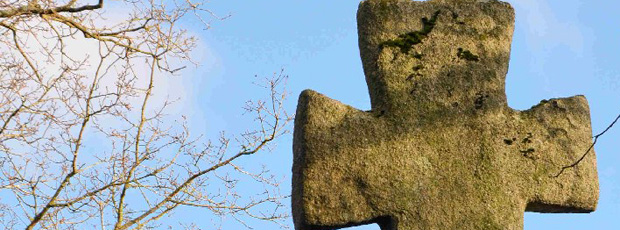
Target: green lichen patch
pixel 406 41
pixel 509 141
pixel 417 55
pixel 455 17
pixel 480 99
pixel 416 72
pixel 529 153
pixel 467 55
pixel 527 139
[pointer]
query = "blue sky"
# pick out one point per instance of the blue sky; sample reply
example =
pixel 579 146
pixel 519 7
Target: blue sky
pixel 560 49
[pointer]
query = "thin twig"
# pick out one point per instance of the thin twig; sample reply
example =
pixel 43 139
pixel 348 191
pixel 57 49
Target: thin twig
pixel 589 148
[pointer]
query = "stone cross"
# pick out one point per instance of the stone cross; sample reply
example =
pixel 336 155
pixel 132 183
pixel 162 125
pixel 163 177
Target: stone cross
pixel 440 148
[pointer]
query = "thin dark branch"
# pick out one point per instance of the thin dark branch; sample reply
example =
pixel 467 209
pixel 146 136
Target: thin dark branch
pixel 143 26
pixel 589 148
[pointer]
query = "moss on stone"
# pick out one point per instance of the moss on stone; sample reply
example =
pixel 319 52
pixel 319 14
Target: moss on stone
pixel 417 55
pixel 406 41
pixel 467 55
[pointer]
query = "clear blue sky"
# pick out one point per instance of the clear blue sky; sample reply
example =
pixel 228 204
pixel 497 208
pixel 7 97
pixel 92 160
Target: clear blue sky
pixel 560 49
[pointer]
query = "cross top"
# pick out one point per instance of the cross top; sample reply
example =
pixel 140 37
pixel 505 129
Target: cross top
pixel 440 148
pixel 435 57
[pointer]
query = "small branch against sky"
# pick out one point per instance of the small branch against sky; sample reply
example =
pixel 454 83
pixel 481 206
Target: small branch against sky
pixel 85 140
pixel 583 156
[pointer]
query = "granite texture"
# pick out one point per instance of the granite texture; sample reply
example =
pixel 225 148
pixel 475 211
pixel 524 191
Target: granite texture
pixel 440 148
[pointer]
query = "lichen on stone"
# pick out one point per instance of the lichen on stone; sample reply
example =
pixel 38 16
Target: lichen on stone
pixel 406 41
pixel 467 55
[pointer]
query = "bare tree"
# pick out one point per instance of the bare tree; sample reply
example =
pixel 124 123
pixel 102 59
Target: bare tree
pixel 85 143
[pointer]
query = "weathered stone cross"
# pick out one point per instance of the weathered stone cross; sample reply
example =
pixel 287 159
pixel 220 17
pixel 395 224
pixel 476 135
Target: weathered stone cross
pixel 440 148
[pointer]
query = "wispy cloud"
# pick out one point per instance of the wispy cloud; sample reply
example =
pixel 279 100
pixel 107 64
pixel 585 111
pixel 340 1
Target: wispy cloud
pixel 544 30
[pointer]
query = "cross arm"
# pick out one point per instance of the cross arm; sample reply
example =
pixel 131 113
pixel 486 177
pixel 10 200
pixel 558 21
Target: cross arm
pixel 559 132
pixel 323 188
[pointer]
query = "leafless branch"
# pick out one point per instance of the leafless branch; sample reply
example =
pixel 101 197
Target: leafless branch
pixel 583 156
pixel 86 141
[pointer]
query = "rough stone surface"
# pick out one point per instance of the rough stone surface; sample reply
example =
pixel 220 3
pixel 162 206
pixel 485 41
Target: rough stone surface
pixel 440 148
